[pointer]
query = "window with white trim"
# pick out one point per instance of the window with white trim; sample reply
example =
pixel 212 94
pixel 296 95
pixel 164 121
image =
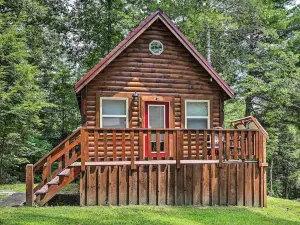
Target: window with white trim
pixel 156 47
pixel 113 112
pixel 197 114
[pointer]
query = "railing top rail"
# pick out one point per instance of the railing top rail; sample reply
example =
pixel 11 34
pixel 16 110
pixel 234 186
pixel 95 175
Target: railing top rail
pixel 39 163
pixel 165 129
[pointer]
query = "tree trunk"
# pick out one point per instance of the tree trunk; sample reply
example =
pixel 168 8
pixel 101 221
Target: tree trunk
pixel 109 29
pixel 208 45
pixel 248 106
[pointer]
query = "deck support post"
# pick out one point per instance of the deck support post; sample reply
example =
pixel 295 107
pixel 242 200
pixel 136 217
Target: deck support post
pixel 29 185
pixel 84 148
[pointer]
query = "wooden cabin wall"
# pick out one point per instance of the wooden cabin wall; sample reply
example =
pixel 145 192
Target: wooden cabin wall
pixel 202 184
pixel 174 73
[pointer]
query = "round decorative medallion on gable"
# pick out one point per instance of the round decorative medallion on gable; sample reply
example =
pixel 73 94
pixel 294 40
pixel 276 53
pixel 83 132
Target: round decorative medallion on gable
pixel 156 47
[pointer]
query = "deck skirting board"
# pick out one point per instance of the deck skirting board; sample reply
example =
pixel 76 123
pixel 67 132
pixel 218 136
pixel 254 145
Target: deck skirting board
pixel 235 183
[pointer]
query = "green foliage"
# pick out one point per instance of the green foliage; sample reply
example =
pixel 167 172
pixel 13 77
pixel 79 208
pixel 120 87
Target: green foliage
pixel 20 96
pixel 46 46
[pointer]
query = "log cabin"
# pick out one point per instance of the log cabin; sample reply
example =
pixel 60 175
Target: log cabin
pixel 153 131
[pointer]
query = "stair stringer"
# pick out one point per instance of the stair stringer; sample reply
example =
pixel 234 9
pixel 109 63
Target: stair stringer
pixel 53 189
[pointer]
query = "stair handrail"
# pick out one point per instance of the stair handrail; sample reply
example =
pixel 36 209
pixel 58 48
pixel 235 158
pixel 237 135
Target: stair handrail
pixel 43 160
pixel 60 153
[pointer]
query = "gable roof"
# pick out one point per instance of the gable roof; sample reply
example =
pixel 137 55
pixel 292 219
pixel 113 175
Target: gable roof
pixel 158 14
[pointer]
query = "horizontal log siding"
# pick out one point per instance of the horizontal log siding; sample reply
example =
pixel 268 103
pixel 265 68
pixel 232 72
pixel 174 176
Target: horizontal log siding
pixel 173 73
pixel 202 184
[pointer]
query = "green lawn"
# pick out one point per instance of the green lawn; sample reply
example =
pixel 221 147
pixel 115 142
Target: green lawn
pixel 278 212
pixel 12 187
pixel 70 188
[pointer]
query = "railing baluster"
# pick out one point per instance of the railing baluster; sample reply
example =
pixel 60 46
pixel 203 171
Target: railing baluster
pixel 67 144
pixel 105 144
pixel 96 154
pixel 260 158
pixel 123 145
pixel 157 144
pixel 243 145
pixel 204 149
pixel 256 144
pixel 174 149
pixel 212 145
pixel 197 145
pixel 141 145
pixel 220 149
pixel 149 145
pixel 235 144
pixel 227 145
pixel 114 140
pixel 250 145
pixel 166 144
pixel 60 163
pixel 49 168
pixel 189 145
pixel 179 148
pixel 132 149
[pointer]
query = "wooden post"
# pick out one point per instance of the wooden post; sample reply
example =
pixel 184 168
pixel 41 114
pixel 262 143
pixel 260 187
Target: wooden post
pixel 264 159
pixel 29 185
pixel 84 148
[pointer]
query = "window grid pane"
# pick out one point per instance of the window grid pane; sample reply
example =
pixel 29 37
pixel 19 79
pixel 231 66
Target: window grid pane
pixel 113 113
pixel 197 108
pixel 193 123
pixel 113 107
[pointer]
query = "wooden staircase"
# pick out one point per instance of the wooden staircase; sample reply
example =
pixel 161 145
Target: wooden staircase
pixel 57 168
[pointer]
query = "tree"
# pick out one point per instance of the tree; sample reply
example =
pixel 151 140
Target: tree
pixel 20 97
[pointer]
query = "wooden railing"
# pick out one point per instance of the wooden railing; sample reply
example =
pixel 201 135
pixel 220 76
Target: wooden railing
pixel 72 149
pixel 178 145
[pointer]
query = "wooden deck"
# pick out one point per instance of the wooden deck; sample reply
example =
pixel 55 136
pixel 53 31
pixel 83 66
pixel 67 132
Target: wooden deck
pixel 191 167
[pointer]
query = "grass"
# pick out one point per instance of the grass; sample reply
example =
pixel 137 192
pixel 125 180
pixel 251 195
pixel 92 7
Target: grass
pixel 279 211
pixel 13 187
pixel 69 189
pixel 3 196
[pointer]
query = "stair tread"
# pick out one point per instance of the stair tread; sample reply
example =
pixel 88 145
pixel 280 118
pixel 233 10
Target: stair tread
pixel 54 181
pixel 75 164
pixel 65 172
pixel 42 190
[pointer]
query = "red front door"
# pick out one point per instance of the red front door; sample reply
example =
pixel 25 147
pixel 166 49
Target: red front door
pixel 156 116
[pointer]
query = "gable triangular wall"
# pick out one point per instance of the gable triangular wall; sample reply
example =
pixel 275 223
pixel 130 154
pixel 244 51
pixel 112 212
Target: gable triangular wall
pixel 154 17
pixel 174 73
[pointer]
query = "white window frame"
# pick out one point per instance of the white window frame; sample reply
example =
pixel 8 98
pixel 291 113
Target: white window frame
pixel 197 117
pixel 162 47
pixel 154 128
pixel 103 116
pixel 164 115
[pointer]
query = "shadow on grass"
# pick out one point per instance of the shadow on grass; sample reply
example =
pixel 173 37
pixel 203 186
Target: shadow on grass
pixel 142 215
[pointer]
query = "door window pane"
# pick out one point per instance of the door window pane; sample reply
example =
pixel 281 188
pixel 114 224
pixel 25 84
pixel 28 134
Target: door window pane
pixel 197 109
pixel 156 116
pixel 157 120
pixel 193 123
pixel 113 107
